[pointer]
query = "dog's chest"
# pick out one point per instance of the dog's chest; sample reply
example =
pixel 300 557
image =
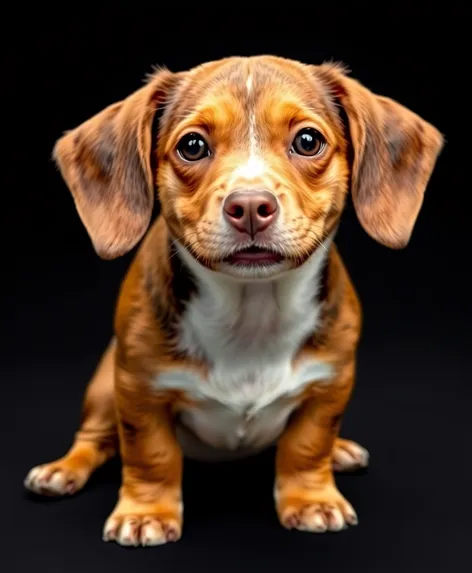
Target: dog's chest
pixel 247 409
pixel 249 341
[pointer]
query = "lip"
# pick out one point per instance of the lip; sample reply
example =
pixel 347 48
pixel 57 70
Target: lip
pixel 254 256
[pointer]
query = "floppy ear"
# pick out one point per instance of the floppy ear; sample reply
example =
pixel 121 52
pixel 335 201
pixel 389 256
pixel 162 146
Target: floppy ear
pixel 106 164
pixel 395 152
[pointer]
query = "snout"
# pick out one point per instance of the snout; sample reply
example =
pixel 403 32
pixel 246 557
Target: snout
pixel 251 211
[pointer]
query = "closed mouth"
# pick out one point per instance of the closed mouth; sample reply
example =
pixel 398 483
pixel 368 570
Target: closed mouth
pixel 254 256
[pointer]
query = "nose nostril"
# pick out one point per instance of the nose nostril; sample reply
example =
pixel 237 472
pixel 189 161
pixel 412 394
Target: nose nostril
pixel 236 211
pixel 265 210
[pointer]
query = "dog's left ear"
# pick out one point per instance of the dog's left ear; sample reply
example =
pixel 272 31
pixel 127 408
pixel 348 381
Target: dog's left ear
pixel 395 152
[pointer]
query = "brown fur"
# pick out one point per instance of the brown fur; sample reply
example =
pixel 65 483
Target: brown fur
pixel 107 164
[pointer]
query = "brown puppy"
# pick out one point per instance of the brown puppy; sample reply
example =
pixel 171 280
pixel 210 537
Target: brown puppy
pixel 237 325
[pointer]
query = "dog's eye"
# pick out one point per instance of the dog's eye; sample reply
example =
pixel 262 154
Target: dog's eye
pixel 192 147
pixel 308 142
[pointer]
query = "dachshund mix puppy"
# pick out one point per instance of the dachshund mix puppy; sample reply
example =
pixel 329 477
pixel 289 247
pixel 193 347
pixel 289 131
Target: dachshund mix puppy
pixel 237 324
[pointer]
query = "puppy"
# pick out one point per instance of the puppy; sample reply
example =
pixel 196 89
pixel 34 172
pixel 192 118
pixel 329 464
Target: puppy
pixel 237 324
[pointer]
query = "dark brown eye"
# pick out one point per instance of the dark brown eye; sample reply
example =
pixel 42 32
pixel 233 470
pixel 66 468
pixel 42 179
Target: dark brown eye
pixel 192 147
pixel 308 142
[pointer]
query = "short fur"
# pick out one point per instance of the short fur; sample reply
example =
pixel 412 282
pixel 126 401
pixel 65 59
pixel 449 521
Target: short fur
pixel 212 360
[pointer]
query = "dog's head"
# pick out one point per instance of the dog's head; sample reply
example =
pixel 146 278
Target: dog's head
pixel 252 158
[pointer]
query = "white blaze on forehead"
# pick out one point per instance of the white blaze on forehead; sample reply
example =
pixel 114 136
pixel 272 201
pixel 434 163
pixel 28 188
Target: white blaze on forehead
pixel 252 134
pixel 255 165
pixel 252 122
pixel 249 83
pixel 253 168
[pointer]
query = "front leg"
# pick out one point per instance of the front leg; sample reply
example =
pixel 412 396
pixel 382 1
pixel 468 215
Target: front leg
pixel 149 509
pixel 305 491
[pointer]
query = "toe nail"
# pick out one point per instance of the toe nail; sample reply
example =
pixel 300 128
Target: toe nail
pixel 352 519
pixel 292 521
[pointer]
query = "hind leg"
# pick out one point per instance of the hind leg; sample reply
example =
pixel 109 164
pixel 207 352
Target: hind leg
pixel 95 442
pixel 349 456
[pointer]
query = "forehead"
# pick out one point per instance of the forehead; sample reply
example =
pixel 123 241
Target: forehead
pixel 228 91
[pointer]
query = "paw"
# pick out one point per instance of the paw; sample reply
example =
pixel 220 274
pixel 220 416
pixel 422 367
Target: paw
pixel 55 479
pixel 349 456
pixel 317 512
pixel 144 526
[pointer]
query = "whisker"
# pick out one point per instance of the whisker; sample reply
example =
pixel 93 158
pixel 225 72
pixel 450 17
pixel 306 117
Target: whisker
pixel 184 236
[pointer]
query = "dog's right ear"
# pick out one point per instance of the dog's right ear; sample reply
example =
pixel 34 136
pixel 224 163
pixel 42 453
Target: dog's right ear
pixel 106 164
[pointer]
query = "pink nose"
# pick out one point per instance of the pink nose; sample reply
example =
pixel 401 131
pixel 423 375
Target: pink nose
pixel 251 211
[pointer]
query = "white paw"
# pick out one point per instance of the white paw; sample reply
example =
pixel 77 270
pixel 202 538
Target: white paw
pixel 140 530
pixel 349 456
pixel 332 512
pixel 52 480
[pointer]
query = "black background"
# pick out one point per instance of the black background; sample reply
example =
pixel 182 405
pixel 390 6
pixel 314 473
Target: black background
pixel 411 407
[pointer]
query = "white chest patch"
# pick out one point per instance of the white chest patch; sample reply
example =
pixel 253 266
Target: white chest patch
pixel 249 335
